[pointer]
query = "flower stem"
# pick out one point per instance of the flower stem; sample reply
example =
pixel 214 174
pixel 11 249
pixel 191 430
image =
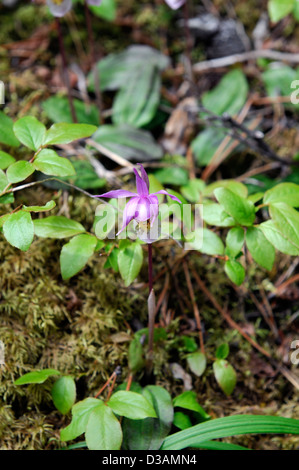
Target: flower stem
pixel 151 311
pixel 96 76
pixel 65 71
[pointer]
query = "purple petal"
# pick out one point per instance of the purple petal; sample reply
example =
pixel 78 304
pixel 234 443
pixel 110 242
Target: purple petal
pixel 118 193
pixel 59 8
pixel 162 191
pixel 147 208
pixel 154 208
pixel 129 213
pixel 175 4
pixel 143 175
pixel 141 185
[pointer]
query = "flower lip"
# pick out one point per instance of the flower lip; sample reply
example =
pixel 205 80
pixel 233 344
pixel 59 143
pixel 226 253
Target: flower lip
pixel 59 8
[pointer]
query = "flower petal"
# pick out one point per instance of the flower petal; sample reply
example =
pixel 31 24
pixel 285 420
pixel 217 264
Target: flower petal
pixel 95 3
pixel 154 208
pixel 141 185
pixel 143 174
pixel 129 213
pixel 59 8
pixel 162 191
pixel 118 193
pixel 175 4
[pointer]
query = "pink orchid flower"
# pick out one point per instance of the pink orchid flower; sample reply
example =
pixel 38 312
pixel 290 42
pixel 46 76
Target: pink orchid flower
pixel 59 8
pixel 175 4
pixel 142 205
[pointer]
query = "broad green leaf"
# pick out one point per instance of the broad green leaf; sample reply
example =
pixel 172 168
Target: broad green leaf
pixel 283 192
pixel 225 375
pixel 205 145
pixel 64 394
pixel 230 426
pixel 149 433
pixel 278 81
pixel 106 10
pixel 57 226
pixel 174 175
pixel 85 177
pixel 7 135
pixel 30 132
pixel 234 186
pixel 278 9
pixel 193 189
pixel 3 180
pixel 7 198
pixel 188 401
pixel 130 262
pixel 235 271
pixel 18 230
pixel 229 95
pixel 128 142
pixel 222 351
pixel 57 109
pixel 75 254
pixel 296 10
pixel 5 160
pixel 80 414
pixel 64 133
pixel 197 362
pixel 36 376
pixel 214 214
pixel 275 237
pixel 234 241
pixel 19 171
pixel 206 241
pixel 286 220
pixel 181 420
pixel 137 101
pixel 136 355
pixel 260 248
pixel 131 405
pixel 103 430
pixel 50 163
pixel 47 207
pixel 239 208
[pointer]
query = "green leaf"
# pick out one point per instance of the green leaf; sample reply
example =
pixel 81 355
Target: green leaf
pixel 149 433
pixel 260 248
pixel 278 9
pixel 239 208
pixel 230 426
pixel 130 262
pixel 7 135
pixel 284 192
pixel 105 219
pixel 214 214
pixel 129 142
pixel 64 394
pixel 275 237
pixel 286 220
pixel 193 189
pixel 136 355
pixel 131 405
pixel 36 377
pixel 18 230
pixel 19 171
pixel 57 226
pixel 206 241
pixel 234 241
pixel 205 145
pixel 229 95
pixel 47 207
pixel 235 271
pixel 225 375
pixel 30 132
pixel 5 160
pixel 64 133
pixel 215 445
pixel 188 401
pixel 50 163
pixel 57 109
pixel 235 186
pixel 197 362
pixel 80 415
pixel 75 254
pixel 103 430
pixel 181 420
pixel 172 175
pixel 137 101
pixel 3 180
pixel 222 351
pixel 107 10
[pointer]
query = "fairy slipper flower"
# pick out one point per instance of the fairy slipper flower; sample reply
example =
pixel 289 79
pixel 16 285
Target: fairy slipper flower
pixel 175 4
pixel 59 8
pixel 142 207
